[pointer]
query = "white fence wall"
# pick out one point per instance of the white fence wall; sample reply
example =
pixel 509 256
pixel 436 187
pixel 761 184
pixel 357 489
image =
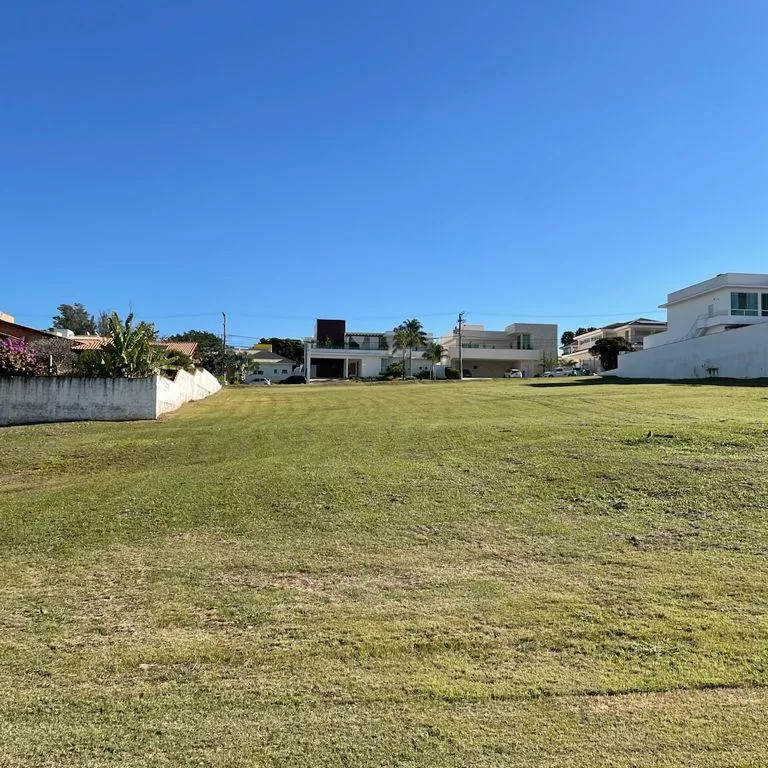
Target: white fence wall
pixel 741 353
pixel 37 399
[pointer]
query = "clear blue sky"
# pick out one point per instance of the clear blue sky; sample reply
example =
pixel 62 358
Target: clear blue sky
pixel 568 161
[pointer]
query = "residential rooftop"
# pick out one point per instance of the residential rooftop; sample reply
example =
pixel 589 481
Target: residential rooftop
pixel 723 280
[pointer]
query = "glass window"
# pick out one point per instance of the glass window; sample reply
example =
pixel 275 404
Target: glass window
pixel 744 304
pixel 764 304
pixel 524 341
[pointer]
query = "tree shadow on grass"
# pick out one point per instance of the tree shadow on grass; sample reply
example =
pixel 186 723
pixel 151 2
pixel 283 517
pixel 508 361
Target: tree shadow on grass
pixel 593 381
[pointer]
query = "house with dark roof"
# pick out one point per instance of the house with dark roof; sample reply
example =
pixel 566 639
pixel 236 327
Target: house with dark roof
pixel 632 331
pixel 266 363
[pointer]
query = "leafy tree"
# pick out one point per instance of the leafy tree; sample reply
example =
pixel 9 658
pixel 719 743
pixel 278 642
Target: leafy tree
pixel 608 351
pixel 567 338
pixel 57 354
pixel 579 331
pixel 17 358
pixel 435 353
pixel 293 349
pixel 178 361
pixel 210 348
pixel 236 365
pixel 74 317
pixel 102 324
pixel 132 351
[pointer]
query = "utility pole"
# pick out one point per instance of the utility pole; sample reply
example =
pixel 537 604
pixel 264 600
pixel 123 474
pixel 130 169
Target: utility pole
pixel 224 336
pixel 461 350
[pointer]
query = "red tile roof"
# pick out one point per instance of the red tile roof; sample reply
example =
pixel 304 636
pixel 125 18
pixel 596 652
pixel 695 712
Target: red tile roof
pixel 82 343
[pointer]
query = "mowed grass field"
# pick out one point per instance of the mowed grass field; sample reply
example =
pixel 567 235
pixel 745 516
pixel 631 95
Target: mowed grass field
pixel 504 573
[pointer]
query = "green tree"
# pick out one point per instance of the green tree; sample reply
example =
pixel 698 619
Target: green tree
pixel 293 349
pixel 102 324
pixel 209 346
pixel 413 336
pixel 434 354
pixel 567 338
pixel 608 351
pixel 580 331
pixel 75 318
pixel 400 343
pixel 132 351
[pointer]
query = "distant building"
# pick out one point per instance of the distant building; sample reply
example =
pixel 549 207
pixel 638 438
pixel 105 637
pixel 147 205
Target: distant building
pixel 635 332
pixel 487 354
pixel 269 364
pixel 335 353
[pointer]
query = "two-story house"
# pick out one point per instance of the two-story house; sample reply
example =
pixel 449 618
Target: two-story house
pixel 335 353
pixel 487 354
pixel 635 332
pixel 718 327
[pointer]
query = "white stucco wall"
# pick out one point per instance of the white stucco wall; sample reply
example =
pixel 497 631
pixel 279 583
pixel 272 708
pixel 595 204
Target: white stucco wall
pixel 741 353
pixel 370 367
pixel 30 400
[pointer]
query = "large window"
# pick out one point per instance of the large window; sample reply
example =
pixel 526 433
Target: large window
pixel 524 341
pixel 744 304
pixel 764 304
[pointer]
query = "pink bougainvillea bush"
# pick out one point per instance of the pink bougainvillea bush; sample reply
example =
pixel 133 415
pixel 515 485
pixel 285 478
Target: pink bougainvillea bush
pixel 17 358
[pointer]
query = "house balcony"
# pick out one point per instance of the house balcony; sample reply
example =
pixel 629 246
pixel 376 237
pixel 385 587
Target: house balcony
pixel 490 353
pixel 347 350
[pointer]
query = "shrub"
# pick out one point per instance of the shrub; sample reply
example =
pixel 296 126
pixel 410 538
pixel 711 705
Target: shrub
pixel 424 375
pixel 395 370
pixel 57 355
pixel 451 373
pixel 17 358
pixel 178 361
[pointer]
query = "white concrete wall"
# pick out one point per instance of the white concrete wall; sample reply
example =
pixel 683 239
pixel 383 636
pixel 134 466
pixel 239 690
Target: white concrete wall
pixel 38 399
pixel 741 353
pixel 185 387
pixel 370 367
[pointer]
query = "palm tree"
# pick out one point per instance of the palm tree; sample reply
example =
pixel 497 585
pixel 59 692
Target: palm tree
pixel 435 353
pixel 415 337
pixel 400 342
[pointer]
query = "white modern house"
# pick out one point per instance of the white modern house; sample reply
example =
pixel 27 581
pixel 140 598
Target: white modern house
pixel 635 332
pixel 335 353
pixel 487 354
pixel 718 327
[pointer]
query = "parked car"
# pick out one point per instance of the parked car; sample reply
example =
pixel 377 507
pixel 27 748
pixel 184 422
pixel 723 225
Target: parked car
pixel 580 372
pixel 513 373
pixel 558 371
pixel 295 379
pixel 261 381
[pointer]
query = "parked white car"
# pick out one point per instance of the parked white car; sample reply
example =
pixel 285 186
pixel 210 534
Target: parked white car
pixel 513 373
pixel 261 381
pixel 559 371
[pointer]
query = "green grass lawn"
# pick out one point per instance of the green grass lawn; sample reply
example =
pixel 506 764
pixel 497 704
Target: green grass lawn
pixel 504 573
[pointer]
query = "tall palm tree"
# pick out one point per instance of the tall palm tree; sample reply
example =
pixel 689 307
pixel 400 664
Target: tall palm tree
pixel 400 342
pixel 414 333
pixel 435 353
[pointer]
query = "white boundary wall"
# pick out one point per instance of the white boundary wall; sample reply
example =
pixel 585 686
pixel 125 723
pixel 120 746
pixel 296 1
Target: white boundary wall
pixel 741 353
pixel 38 399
